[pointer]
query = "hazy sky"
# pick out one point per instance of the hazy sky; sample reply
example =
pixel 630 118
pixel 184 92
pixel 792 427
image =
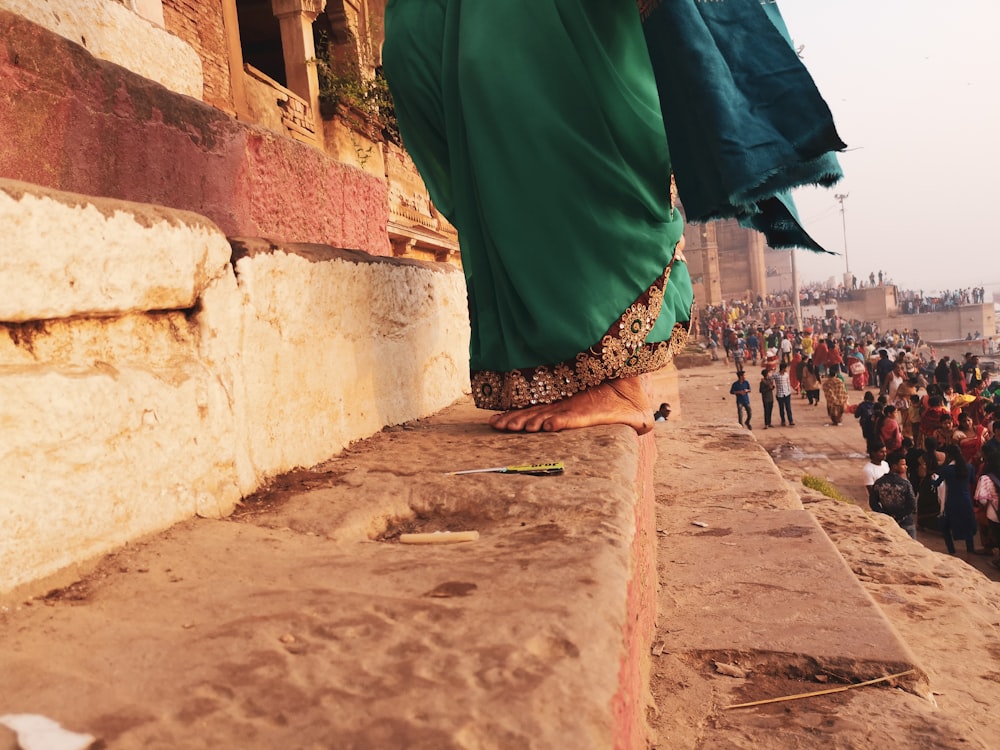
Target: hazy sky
pixel 914 87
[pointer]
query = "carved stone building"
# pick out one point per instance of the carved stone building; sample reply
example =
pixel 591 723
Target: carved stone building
pixel 726 261
pixel 303 69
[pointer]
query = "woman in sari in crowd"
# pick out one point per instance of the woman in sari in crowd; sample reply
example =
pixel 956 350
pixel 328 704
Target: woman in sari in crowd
pixel 970 438
pixel 541 130
pixel 942 372
pixel 835 394
pixel 928 505
pixel 893 380
pixel 956 516
pixel 795 372
pixel 936 422
pixel 857 369
pixel 810 382
pixel 956 378
pixel 987 496
pixel 901 401
pixel 834 357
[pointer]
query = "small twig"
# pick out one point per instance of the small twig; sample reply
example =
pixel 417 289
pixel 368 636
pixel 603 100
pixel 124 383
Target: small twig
pixel 821 692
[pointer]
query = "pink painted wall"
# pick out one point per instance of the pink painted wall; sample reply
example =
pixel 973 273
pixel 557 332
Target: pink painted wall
pixel 72 122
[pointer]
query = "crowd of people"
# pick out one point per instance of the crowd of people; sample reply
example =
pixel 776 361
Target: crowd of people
pixel 777 309
pixel 927 422
pixel 934 456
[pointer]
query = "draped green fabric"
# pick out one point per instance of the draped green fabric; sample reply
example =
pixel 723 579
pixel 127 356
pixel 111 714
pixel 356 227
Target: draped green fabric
pixel 536 126
pixel 540 128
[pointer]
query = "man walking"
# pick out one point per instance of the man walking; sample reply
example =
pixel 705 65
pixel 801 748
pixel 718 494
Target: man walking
pixel 874 469
pixel 767 395
pixel 783 393
pixel 741 389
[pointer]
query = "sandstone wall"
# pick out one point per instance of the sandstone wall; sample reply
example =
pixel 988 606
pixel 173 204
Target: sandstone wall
pixel 151 370
pixel 87 126
pixel 113 33
pixel 879 304
pixel 200 24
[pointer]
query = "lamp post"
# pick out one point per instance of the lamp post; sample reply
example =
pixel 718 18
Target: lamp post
pixel 841 197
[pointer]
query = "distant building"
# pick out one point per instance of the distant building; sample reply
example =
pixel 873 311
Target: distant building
pixel 726 261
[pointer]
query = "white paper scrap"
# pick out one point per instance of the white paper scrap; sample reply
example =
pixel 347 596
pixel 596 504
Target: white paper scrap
pixel 35 732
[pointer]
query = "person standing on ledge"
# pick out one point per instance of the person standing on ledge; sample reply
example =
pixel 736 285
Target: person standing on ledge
pixel 540 128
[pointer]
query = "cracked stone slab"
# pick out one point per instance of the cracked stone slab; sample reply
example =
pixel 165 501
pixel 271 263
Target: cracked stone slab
pixel 774 592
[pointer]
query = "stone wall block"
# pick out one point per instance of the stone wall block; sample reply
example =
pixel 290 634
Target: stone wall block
pixel 90 127
pixel 111 32
pixel 117 421
pixel 339 344
pixel 68 255
pixel 93 457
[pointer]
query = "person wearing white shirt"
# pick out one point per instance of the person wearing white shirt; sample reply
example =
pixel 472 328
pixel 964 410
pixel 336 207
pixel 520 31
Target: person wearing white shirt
pixel 875 468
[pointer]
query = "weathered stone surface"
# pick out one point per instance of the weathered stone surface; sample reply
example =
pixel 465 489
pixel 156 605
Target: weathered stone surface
pixel 111 32
pixel 291 626
pixel 69 255
pixel 117 421
pixel 86 126
pixel 337 344
pixel 94 457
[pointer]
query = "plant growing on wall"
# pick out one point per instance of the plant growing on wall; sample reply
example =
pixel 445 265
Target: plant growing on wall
pixel 346 86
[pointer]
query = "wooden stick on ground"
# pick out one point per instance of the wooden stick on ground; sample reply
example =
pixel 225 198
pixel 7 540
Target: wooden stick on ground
pixel 821 692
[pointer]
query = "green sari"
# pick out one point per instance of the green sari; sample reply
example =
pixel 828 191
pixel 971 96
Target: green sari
pixel 537 127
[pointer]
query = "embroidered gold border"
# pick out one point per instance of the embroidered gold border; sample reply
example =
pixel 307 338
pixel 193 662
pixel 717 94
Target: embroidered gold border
pixel 621 353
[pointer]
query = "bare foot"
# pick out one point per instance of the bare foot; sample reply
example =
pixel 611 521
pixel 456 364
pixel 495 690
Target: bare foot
pixel 614 402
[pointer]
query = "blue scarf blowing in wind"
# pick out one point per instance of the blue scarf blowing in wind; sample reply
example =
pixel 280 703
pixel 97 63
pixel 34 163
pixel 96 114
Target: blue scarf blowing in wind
pixel 752 125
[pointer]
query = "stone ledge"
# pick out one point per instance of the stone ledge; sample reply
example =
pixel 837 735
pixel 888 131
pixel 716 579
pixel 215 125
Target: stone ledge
pixel 304 610
pixel 774 589
pixel 69 255
pixel 534 636
pixel 117 420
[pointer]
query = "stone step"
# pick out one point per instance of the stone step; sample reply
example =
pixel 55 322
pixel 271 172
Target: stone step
pixel 303 622
pixel 749 581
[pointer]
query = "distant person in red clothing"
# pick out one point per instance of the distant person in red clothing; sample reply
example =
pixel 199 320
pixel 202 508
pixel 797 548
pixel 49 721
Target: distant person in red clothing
pixel 819 355
pixel 936 421
pixel 887 429
pixel 834 357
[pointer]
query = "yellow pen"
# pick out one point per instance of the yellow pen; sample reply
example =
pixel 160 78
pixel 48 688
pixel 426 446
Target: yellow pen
pixel 532 469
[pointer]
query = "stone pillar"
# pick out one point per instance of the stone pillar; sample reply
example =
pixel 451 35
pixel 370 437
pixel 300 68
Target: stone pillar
pixel 710 264
pixel 295 18
pixel 234 55
pixel 758 266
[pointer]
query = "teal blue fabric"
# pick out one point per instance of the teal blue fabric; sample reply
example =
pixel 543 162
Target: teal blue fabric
pixel 743 117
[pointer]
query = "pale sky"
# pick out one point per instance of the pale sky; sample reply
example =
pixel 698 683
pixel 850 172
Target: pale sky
pixel 914 87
